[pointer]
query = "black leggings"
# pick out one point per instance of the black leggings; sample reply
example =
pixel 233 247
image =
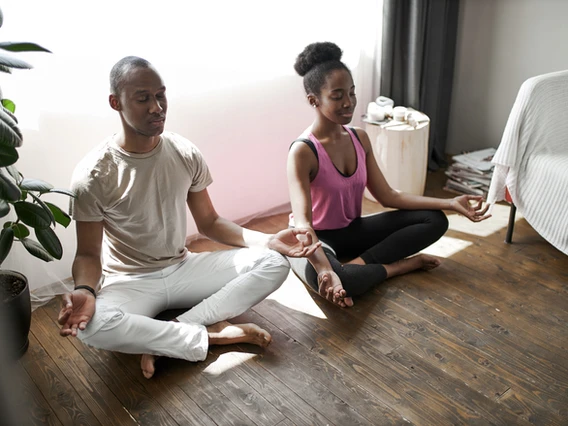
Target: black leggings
pixel 379 239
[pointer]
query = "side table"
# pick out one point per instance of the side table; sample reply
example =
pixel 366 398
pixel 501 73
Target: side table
pixel 401 152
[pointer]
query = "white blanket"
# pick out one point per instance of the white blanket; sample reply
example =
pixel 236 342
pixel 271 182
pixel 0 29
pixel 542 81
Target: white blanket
pixel 532 159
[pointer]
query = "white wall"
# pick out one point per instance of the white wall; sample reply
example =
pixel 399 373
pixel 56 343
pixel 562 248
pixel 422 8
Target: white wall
pixel 501 43
pixel 228 68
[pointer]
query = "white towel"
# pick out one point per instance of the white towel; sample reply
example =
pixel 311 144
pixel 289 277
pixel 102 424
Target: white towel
pixel 532 158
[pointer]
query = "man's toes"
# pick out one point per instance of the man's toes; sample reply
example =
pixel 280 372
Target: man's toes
pixel 147 365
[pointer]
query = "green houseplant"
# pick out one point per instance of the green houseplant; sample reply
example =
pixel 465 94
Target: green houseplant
pixel 31 212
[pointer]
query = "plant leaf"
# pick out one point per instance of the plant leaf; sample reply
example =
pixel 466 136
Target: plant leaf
pixel 8 188
pixel 32 215
pixel 6 241
pixel 60 216
pixel 21 231
pixel 22 46
pixel 50 242
pixel 63 191
pixel 10 113
pixel 12 62
pixel 15 174
pixel 4 207
pixel 43 206
pixel 36 250
pixel 8 156
pixel 36 185
pixel 10 134
pixel 9 105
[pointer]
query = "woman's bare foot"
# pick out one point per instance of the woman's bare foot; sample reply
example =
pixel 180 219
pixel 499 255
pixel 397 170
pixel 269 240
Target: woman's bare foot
pixel 225 333
pixel 329 286
pixel 429 262
pixel 420 261
pixel 147 363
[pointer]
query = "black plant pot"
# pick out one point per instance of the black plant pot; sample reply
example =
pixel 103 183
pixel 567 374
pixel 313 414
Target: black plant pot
pixel 17 306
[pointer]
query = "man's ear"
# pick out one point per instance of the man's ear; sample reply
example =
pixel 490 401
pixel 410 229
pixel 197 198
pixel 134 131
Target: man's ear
pixel 114 102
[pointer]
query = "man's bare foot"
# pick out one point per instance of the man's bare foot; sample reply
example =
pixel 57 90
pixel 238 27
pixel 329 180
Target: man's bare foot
pixel 225 333
pixel 329 286
pixel 420 261
pixel 147 363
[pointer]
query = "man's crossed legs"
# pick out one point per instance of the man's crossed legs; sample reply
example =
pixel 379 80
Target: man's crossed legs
pixel 217 286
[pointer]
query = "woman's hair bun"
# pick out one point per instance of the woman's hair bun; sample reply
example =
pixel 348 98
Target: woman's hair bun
pixel 316 53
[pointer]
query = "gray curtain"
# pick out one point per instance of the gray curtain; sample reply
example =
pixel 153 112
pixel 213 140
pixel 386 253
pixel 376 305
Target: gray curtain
pixel 418 52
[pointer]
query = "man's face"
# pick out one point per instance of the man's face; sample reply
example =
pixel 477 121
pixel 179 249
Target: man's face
pixel 143 102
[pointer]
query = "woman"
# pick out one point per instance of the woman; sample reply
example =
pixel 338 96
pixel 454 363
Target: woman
pixel 329 167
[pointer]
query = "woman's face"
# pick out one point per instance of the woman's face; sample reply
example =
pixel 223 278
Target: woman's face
pixel 337 98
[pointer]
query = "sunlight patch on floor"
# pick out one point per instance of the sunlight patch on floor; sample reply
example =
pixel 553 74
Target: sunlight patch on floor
pixel 446 247
pixel 498 221
pixel 227 361
pixel 294 295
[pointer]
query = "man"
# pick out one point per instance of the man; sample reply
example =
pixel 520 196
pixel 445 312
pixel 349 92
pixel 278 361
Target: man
pixel 130 208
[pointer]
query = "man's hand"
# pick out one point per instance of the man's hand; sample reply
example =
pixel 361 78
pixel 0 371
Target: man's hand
pixel 293 242
pixel 474 212
pixel 77 309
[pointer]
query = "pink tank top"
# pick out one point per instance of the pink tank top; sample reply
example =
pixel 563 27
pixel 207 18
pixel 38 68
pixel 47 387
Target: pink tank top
pixel 337 199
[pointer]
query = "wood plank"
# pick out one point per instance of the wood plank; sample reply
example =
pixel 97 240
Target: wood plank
pixel 353 324
pixel 323 386
pixel 487 320
pixel 86 383
pixel 480 409
pixel 297 410
pixel 239 392
pixel 553 276
pixel 164 389
pixel 244 397
pixel 534 319
pixel 538 397
pixel 286 422
pixel 69 408
pixel 37 410
pixel 212 401
pixel 377 378
pixel 517 283
pixel 471 403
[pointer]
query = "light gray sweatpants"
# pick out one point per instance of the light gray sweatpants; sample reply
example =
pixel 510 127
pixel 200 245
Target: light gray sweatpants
pixel 216 286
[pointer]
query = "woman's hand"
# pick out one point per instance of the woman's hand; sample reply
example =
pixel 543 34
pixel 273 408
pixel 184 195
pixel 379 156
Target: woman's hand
pixel 474 212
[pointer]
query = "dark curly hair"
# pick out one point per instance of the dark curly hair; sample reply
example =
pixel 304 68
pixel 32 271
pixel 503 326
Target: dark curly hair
pixel 316 61
pixel 121 68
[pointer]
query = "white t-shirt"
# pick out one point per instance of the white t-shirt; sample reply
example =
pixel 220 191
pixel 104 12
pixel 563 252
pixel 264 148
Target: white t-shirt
pixel 142 200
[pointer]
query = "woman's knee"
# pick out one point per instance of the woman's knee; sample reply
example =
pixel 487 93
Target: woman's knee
pixel 439 221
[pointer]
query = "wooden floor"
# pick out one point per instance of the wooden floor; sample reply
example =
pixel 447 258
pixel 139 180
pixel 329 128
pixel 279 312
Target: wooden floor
pixel 480 340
